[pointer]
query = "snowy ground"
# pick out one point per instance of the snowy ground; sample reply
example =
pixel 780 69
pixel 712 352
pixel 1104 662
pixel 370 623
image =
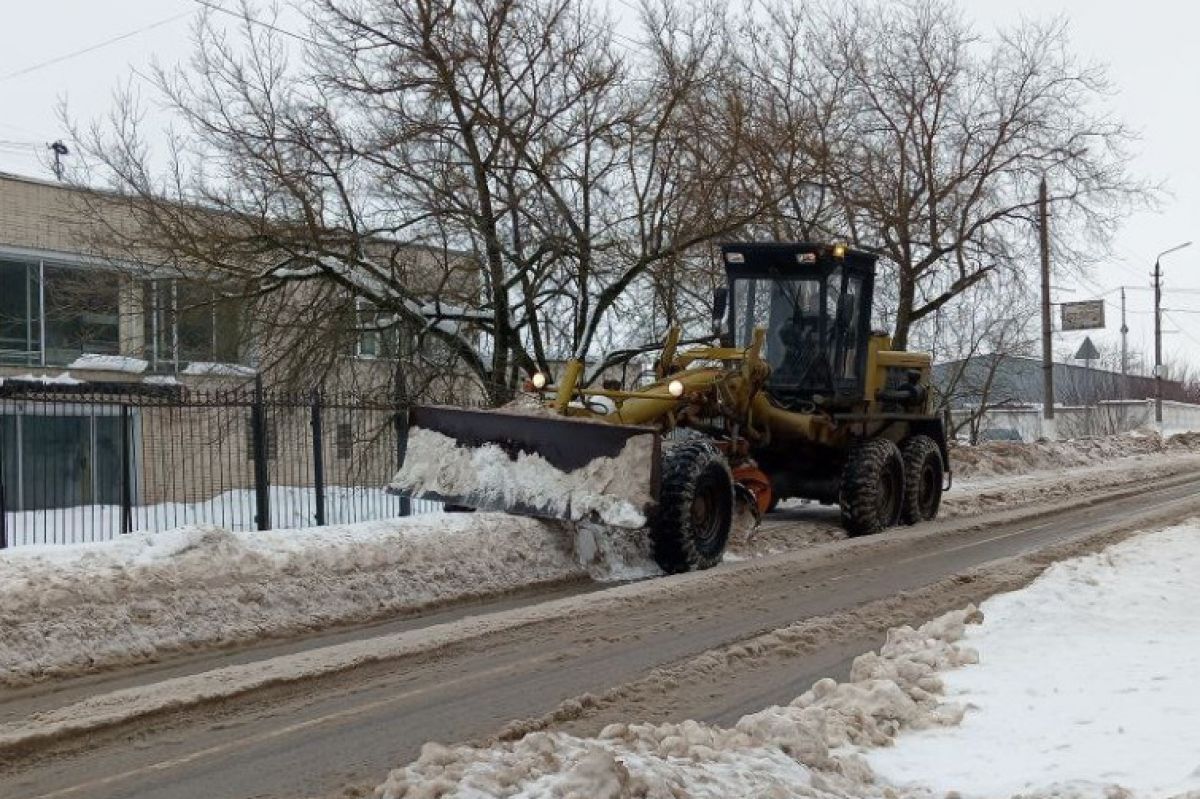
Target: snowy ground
pixel 77 608
pixel 807 749
pixel 291 507
pixel 1087 678
pixel 1080 685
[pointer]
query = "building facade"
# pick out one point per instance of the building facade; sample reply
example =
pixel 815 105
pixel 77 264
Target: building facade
pixel 176 357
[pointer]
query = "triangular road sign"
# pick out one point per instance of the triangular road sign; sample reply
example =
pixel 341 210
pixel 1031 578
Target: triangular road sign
pixel 1087 351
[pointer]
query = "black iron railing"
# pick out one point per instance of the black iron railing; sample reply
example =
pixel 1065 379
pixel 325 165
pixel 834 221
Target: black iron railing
pixel 88 462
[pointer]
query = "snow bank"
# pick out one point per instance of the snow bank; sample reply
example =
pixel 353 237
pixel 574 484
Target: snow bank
pixel 78 608
pixel 62 379
pixel 1086 681
pixel 997 458
pixel 805 749
pixel 1079 686
pixel 109 363
pixel 206 369
pixel 612 490
pixel 291 507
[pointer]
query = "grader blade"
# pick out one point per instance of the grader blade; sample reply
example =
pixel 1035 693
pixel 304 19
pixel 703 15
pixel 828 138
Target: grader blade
pixel 532 464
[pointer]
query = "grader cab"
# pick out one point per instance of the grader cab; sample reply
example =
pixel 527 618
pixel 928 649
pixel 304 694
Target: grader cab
pixel 795 398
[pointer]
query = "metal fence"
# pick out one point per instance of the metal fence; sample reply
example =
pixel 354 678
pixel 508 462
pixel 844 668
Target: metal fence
pixel 88 462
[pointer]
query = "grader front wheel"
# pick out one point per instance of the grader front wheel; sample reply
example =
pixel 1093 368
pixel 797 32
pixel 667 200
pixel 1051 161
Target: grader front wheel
pixel 872 494
pixel 691 525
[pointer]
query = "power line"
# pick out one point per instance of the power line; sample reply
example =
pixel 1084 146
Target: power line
pixel 260 23
pixel 1186 334
pixel 92 48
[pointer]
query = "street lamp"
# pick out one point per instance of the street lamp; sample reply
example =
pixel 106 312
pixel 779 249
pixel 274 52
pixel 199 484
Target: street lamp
pixel 1158 364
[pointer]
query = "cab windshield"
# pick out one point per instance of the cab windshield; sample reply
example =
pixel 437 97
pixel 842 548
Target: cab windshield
pixel 812 325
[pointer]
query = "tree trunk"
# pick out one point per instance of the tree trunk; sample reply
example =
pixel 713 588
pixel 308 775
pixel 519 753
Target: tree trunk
pixel 904 310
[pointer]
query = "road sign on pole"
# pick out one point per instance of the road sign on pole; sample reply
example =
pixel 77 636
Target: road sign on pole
pixel 1087 351
pixel 1087 315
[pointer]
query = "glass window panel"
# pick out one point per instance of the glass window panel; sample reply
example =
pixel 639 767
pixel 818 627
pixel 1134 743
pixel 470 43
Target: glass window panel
pixel 228 320
pixel 194 314
pixel 189 321
pixel 784 307
pixel 850 324
pixel 82 313
pixel 19 329
pixel 156 323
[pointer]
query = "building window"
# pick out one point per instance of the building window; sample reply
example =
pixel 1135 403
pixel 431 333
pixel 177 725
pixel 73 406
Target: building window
pixel 51 314
pixel 344 441
pixel 188 321
pixel 82 314
pixel 378 333
pixel 20 328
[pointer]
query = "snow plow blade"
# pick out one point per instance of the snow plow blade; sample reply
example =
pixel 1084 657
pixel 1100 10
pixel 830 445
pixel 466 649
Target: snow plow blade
pixel 532 464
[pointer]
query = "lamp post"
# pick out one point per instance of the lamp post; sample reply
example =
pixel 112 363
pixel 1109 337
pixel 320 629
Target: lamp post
pixel 1158 364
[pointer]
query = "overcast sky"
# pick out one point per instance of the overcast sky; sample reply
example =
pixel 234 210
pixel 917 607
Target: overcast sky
pixel 1150 47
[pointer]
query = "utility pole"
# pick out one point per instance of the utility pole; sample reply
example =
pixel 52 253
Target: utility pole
pixel 1158 370
pixel 1158 364
pixel 1048 430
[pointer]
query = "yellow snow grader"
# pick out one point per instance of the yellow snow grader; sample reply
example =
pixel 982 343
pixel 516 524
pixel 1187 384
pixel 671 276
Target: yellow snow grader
pixel 795 398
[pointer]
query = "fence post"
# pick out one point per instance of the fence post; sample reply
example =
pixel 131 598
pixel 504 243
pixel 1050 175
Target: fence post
pixel 400 419
pixel 318 453
pixel 3 492
pixel 258 434
pixel 126 473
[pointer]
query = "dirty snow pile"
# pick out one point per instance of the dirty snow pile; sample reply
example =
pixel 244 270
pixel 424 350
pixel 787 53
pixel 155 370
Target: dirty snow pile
pixel 1087 680
pixel 1082 685
pixel 809 748
pixel 69 609
pixel 996 458
pixel 612 490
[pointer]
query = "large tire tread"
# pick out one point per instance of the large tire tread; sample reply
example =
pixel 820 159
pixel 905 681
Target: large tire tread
pixel 919 453
pixel 678 546
pixel 870 463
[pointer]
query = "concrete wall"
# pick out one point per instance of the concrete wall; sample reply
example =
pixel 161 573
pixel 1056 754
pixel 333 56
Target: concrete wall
pixel 1104 418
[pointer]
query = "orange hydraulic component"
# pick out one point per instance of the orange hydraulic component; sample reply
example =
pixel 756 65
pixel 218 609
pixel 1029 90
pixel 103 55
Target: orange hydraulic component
pixel 756 480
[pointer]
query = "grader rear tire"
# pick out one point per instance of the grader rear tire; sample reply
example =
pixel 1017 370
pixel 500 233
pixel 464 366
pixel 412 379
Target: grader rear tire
pixel 695 508
pixel 923 471
pixel 872 493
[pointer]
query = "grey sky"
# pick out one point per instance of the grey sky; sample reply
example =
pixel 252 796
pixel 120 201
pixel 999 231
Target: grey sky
pixel 1150 46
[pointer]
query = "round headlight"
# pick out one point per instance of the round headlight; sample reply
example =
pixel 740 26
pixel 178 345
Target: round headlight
pixel 676 388
pixel 539 380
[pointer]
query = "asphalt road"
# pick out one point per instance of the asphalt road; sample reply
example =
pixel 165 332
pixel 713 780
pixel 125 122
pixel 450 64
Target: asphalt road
pixel 314 738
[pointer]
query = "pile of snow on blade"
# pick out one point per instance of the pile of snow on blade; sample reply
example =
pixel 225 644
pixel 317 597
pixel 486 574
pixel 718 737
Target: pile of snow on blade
pixel 806 749
pixel 1086 685
pixel 68 609
pixel 612 490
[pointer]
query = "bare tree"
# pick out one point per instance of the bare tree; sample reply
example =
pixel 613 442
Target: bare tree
pixel 975 339
pixel 504 156
pixel 928 143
